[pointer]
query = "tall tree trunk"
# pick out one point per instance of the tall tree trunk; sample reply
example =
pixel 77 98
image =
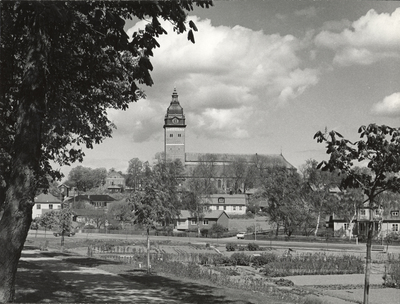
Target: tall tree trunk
pixel 368 263
pixel 148 251
pixel 317 226
pixel 22 182
pixel 351 223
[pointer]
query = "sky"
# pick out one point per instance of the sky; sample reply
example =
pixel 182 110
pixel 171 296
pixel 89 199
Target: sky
pixel 263 77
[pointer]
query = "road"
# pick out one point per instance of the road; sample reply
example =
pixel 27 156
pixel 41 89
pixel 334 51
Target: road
pixel 274 243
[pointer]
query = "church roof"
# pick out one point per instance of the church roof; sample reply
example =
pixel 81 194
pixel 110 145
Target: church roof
pixel 174 107
pixel 269 160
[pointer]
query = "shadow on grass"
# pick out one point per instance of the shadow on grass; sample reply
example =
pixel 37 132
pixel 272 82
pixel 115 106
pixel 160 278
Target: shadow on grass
pixel 76 279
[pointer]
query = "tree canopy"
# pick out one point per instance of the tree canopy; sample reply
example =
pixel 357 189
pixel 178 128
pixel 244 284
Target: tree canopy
pixel 378 149
pixel 63 65
pixel 158 201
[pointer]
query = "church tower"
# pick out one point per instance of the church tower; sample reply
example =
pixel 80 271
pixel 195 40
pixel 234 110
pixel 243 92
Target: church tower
pixel 174 131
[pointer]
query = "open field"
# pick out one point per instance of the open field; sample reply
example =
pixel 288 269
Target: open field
pixel 261 222
pixel 53 276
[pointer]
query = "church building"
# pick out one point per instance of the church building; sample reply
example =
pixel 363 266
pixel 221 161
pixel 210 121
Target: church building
pixel 174 148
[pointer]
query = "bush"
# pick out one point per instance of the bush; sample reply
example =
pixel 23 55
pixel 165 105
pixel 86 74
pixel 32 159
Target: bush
pixel 240 259
pixel 392 277
pixel 253 247
pixel 264 259
pixel 217 230
pixel 89 227
pixel 314 264
pixel 393 236
pixel 231 247
pixel 221 260
pixel 111 227
pixel 204 232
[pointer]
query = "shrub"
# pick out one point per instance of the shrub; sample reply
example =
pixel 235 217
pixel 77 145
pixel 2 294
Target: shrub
pixel 230 247
pixel 204 232
pixel 112 227
pixel 240 259
pixel 392 277
pixel 221 260
pixel 253 247
pixel 264 259
pixel 89 227
pixel 217 230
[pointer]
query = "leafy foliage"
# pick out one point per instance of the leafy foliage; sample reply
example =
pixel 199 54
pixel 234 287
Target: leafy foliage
pixel 135 172
pixel 84 178
pixel 379 149
pixel 230 247
pixel 286 206
pixel 217 229
pixel 63 65
pixel 158 202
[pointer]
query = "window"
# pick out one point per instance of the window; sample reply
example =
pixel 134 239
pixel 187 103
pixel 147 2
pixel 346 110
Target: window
pixel 179 135
pixel 395 227
pixel 234 207
pixel 58 206
pixel 205 222
pixel 193 222
pixel 171 135
pixel 50 206
pixel 224 207
pixel 362 212
pixel 38 206
pixel 240 207
pixel 217 207
pixel 395 213
pixel 346 226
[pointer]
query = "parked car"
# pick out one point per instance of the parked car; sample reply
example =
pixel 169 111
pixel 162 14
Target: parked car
pixel 241 235
pixel 66 233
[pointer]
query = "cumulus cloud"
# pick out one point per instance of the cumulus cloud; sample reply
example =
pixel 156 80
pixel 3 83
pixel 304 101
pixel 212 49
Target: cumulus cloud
pixel 224 80
pixel 389 106
pixel 369 39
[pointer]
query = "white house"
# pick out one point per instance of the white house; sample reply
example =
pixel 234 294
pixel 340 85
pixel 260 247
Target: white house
pixel 230 203
pixel 44 203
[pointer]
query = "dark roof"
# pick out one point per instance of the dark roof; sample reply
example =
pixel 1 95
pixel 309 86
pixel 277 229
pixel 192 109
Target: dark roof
pixel 269 160
pixel 86 212
pixel 93 198
pixel 222 161
pixel 234 199
pixel 174 107
pixel 46 199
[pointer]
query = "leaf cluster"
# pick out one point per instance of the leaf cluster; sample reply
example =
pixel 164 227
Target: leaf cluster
pixel 64 64
pixel 378 148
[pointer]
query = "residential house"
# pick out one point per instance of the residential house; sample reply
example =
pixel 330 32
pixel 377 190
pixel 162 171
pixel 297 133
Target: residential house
pixel 89 216
pixel 45 203
pixel 385 220
pixel 188 221
pixel 115 182
pixel 99 201
pixel 230 203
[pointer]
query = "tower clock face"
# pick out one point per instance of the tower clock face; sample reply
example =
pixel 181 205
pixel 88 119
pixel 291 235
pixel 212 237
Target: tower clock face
pixel 175 120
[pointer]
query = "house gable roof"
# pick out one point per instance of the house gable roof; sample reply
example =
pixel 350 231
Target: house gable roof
pixel 93 198
pixel 229 199
pixel 46 199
